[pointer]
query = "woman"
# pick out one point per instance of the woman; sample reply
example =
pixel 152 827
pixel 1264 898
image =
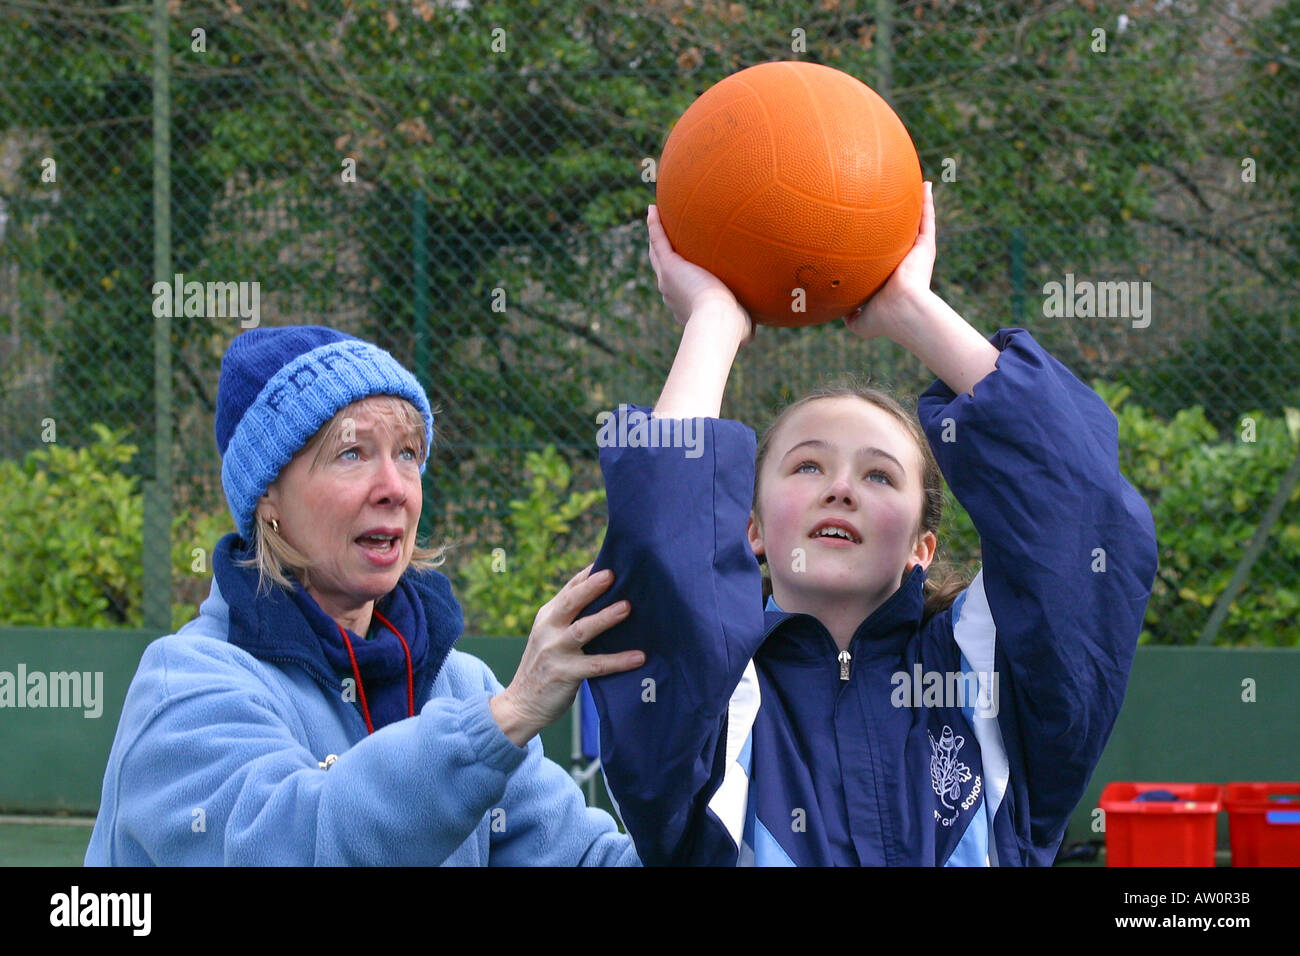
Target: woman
pixel 315 711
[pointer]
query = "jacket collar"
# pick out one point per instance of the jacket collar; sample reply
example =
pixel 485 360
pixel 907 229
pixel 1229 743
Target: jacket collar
pixel 292 626
pixel 884 633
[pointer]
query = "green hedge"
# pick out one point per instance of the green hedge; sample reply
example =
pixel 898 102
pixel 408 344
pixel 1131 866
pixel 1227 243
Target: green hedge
pixel 1187 471
pixel 505 587
pixel 74 523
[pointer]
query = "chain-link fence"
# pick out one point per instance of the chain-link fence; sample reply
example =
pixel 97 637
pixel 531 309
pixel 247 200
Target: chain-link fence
pixel 465 184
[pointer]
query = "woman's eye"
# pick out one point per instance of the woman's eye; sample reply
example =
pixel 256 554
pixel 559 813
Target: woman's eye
pixel 350 451
pixel 415 455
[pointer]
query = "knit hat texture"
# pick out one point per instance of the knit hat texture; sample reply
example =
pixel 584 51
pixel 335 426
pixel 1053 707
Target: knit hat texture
pixel 278 386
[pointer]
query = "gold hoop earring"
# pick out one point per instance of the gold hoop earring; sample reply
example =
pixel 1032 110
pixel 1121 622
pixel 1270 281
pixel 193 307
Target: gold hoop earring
pixel 275 525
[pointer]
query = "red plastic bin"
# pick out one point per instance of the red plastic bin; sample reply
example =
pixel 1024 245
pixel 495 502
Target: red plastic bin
pixel 1161 833
pixel 1264 823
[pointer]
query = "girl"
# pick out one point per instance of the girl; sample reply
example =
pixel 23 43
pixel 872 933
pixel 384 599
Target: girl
pixel 855 720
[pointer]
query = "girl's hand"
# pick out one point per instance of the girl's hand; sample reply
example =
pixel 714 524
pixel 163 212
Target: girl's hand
pixel 686 287
pixel 554 665
pixel 897 300
pixel 906 311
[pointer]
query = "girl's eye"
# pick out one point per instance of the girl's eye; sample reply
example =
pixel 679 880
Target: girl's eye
pixel 882 474
pixel 807 464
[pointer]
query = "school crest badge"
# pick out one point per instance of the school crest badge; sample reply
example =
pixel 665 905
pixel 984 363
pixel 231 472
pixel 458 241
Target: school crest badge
pixel 948 773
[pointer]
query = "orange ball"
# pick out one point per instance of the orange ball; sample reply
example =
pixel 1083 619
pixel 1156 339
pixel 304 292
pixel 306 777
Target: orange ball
pixel 796 185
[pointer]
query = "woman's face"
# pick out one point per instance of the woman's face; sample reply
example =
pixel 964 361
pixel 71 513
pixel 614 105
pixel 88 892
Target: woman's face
pixel 840 502
pixel 371 485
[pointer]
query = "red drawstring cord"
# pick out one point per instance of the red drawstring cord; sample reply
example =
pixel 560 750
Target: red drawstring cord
pixel 410 672
pixel 356 672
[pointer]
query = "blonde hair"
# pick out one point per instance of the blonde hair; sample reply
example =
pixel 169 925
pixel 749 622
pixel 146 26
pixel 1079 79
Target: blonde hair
pixel 274 557
pixel 943 581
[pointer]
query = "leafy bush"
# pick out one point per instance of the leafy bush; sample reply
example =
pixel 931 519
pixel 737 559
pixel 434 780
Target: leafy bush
pixel 73 523
pixel 503 589
pixel 194 538
pixel 1208 496
pixel 74 517
pixel 74 550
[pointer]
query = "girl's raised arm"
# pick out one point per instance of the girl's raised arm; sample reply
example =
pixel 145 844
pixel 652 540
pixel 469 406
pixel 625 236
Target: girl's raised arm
pixel 715 327
pixel 1068 549
pixel 672 733
pixel 908 312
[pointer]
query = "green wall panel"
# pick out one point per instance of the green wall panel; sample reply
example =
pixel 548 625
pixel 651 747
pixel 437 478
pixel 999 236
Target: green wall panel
pixel 1186 718
pixel 53 760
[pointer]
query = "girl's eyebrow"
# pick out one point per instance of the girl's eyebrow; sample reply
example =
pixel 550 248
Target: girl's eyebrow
pixel 870 450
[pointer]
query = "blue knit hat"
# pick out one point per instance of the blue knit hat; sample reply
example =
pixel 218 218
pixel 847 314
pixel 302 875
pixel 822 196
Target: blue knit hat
pixel 279 386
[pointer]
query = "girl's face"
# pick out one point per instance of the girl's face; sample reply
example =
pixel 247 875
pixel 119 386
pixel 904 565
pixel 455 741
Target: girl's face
pixel 840 499
pixel 370 483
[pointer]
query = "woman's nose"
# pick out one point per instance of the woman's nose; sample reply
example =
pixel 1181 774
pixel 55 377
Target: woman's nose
pixel 388 485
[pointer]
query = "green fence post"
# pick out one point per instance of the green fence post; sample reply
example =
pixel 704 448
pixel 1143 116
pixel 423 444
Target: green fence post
pixel 1253 550
pixel 420 320
pixel 157 545
pixel 420 280
pixel 884 49
pixel 1017 267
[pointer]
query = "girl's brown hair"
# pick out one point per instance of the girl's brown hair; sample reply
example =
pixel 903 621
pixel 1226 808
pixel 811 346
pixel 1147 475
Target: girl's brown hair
pixel 943 582
pixel 274 557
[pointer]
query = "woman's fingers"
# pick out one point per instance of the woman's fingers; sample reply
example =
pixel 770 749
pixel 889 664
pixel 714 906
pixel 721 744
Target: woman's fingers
pixel 554 663
pixel 599 665
pixel 584 587
pixel 584 630
pixel 579 578
pixel 581 590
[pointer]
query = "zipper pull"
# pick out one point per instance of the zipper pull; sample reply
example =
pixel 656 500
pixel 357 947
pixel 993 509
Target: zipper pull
pixel 845 659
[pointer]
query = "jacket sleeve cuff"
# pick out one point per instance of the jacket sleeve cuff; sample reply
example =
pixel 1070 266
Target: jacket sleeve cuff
pixel 486 738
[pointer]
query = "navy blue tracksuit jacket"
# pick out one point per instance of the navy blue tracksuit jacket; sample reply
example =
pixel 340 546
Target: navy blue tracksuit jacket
pixel 964 739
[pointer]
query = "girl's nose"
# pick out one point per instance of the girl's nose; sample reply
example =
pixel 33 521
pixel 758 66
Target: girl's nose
pixel 839 490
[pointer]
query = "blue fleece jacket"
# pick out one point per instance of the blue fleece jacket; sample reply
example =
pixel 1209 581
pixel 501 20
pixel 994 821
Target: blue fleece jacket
pixel 964 737
pixel 219 754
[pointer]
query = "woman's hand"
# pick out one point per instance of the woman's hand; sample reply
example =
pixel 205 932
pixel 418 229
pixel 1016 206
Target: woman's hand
pixel 897 301
pixel 554 665
pixel 686 287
